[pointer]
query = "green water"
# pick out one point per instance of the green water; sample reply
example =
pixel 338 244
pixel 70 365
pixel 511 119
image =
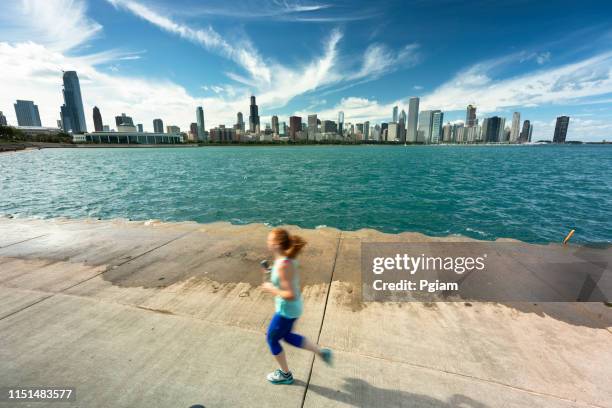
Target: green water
pixel 531 193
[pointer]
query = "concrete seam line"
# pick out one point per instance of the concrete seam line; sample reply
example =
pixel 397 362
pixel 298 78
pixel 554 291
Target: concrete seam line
pixel 25 307
pixel 21 242
pixel 331 279
pixel 471 377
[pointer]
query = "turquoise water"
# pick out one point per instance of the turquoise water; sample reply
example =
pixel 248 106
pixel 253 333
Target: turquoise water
pixel 531 193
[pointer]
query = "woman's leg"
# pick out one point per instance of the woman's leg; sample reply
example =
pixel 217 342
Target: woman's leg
pixel 278 329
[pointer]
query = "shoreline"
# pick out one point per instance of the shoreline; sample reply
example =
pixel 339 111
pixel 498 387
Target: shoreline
pixel 415 235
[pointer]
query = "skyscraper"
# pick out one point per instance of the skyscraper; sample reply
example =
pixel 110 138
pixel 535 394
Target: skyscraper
pixel 561 129
pixel 27 113
pixel 97 119
pixel 312 126
pixel 425 122
pixel 514 130
pixel 73 115
pixel 436 126
pixel 200 123
pixel 402 126
pixel 413 116
pixel 240 121
pixel 492 128
pixel 524 137
pixel 140 128
pixel 3 121
pixel 470 116
pixel 158 126
pixel 295 126
pixel 275 129
pixel 254 116
pixel 123 120
pixel 394 116
pixel 366 130
pixel 341 123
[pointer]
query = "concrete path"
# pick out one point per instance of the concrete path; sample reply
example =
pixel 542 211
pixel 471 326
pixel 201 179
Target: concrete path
pixel 139 314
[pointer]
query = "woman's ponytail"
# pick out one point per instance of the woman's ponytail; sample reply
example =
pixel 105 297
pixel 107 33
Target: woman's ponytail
pixel 290 245
pixel 296 243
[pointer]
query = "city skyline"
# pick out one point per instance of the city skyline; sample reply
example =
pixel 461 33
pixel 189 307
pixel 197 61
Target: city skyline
pixel 542 75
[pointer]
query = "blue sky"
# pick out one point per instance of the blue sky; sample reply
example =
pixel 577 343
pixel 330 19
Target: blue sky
pixel 163 58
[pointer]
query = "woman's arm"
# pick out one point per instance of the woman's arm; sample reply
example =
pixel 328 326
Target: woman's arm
pixel 285 275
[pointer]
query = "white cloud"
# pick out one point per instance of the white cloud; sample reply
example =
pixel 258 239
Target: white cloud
pixel 60 25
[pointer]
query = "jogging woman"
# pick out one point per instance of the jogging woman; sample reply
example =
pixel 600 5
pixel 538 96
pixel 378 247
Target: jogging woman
pixel 285 284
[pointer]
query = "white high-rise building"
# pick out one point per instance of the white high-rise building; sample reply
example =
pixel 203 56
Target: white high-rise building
pixel 515 129
pixel 413 116
pixel 393 132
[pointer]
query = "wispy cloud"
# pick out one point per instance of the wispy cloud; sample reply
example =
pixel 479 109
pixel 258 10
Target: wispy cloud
pixel 60 25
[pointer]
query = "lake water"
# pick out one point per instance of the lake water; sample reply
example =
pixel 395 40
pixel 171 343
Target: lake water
pixel 531 193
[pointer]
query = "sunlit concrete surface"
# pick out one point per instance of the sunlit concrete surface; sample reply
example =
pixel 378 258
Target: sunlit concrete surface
pixel 137 314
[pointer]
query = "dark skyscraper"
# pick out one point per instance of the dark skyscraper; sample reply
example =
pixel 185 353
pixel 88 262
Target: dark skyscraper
pixel 561 129
pixel 470 116
pixel 524 136
pixel 254 116
pixel 123 120
pixel 295 125
pixel 240 121
pixel 275 129
pixel 491 129
pixel 97 118
pixel 73 115
pixel 158 126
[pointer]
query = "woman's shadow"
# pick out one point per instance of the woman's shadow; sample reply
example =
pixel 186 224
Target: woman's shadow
pixel 359 393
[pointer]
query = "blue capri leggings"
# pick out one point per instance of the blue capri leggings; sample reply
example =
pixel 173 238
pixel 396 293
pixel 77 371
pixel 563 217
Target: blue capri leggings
pixel 280 328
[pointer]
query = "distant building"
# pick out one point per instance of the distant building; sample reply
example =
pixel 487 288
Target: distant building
pixel 447 133
pixel 329 126
pixel 27 113
pixel 413 117
pixel 491 129
pixel 173 130
pixel 282 129
pixel 424 130
pixel 295 126
pixel 394 116
pixel 275 129
pixel 514 130
pixel 158 126
pixel 436 126
pixel 254 116
pixel 561 129
pixel 313 127
pixel 193 132
pixel 340 123
pixel 240 121
pixel 129 138
pixel 221 134
pixel 393 132
pixel 525 135
pixel 140 127
pixel 97 119
pixel 105 128
pixel 127 128
pixel 123 120
pixel 73 115
pixel 402 126
pixel 3 121
pixel 470 116
pixel 200 134
pixel 366 130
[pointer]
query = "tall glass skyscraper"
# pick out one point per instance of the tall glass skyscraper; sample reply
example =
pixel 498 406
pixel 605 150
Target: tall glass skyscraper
pixel 97 118
pixel 413 117
pixel 200 124
pixel 27 113
pixel 561 129
pixel 395 113
pixel 253 116
pixel 158 126
pixel 470 116
pixel 340 123
pixel 436 126
pixel 73 115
